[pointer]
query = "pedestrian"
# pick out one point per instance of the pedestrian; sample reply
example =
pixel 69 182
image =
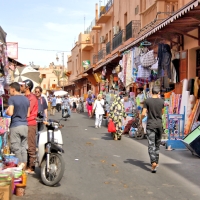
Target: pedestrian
pixel 116 114
pixel 98 108
pixel 153 109
pixel 26 87
pixel 58 103
pixel 74 103
pixel 53 105
pixel 42 107
pixel 89 102
pixel 19 110
pixel 66 105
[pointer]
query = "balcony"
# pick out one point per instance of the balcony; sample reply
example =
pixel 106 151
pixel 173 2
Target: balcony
pixel 132 29
pixel 117 40
pixel 94 59
pixel 104 16
pixel 101 54
pixel 108 48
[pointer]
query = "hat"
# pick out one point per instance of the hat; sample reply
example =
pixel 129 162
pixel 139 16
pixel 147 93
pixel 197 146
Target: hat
pixel 21 83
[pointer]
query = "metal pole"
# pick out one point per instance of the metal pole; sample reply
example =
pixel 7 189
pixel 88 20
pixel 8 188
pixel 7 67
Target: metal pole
pixel 63 68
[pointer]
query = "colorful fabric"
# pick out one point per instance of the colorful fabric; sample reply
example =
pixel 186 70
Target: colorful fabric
pixel 143 72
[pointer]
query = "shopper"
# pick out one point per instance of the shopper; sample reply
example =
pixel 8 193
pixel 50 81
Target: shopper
pixel 89 102
pixel 153 109
pixel 26 87
pixel 66 105
pixel 53 105
pixel 58 103
pixel 19 110
pixel 98 108
pixel 42 107
pixel 116 114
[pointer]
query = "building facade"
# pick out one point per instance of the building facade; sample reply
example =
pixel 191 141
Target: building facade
pixel 121 25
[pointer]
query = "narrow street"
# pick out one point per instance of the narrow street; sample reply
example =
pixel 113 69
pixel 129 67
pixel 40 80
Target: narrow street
pixel 99 168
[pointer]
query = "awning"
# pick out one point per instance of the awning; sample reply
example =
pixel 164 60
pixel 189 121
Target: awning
pixel 15 62
pixel 107 61
pixel 2 35
pixel 182 12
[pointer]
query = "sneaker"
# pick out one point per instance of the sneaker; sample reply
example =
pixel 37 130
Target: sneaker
pixel 96 126
pixel 99 126
pixel 153 168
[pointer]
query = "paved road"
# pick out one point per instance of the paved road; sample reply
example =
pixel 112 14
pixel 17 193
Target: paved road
pixel 99 168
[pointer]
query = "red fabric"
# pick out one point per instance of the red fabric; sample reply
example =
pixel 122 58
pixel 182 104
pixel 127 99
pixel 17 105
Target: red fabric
pixel 111 127
pixel 33 109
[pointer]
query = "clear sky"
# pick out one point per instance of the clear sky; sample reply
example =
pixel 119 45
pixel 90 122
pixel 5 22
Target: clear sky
pixel 45 24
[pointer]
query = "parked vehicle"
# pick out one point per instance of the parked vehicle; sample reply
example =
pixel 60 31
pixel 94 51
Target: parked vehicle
pixel 49 155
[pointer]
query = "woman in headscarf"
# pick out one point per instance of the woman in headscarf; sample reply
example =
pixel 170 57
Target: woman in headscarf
pixel 117 113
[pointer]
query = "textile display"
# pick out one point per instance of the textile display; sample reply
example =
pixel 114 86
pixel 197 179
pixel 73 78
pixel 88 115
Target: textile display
pixel 185 85
pixel 129 79
pixel 148 59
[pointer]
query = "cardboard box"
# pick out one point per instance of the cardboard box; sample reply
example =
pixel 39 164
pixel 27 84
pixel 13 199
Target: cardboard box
pixel 6 192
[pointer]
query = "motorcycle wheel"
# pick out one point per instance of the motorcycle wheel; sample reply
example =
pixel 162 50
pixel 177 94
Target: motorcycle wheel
pixel 139 135
pixel 57 167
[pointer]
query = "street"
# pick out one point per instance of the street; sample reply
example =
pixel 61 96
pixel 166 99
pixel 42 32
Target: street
pixel 98 167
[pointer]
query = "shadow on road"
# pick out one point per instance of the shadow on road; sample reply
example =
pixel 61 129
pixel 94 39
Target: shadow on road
pixel 139 163
pixel 107 136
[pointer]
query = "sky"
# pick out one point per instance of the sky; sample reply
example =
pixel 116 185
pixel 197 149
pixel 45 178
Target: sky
pixel 45 24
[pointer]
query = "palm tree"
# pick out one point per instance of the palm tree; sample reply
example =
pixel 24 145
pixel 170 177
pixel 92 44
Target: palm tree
pixel 58 74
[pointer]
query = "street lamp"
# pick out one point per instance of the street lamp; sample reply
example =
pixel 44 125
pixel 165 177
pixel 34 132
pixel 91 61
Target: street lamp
pixel 57 58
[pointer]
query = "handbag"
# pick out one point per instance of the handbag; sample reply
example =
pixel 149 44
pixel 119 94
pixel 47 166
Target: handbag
pixel 111 127
pixel 148 59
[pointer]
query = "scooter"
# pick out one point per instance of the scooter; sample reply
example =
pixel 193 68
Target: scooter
pixel 49 155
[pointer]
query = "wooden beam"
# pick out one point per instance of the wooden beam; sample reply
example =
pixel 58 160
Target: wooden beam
pixel 182 32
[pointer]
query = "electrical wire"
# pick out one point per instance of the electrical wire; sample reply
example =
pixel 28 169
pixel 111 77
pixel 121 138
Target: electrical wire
pixel 41 49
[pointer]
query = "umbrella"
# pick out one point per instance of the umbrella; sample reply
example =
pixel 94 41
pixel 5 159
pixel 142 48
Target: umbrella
pixel 60 93
pixel 23 73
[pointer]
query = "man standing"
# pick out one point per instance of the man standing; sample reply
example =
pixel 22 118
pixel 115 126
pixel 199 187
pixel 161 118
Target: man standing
pixel 66 105
pixel 153 108
pixel 58 103
pixel 26 87
pixel 53 105
pixel 42 106
pixel 19 110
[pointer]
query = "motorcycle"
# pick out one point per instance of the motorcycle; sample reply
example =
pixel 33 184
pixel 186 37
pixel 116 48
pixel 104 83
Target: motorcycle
pixel 49 155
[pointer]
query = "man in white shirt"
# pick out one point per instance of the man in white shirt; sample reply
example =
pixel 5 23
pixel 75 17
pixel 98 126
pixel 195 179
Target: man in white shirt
pixel 58 103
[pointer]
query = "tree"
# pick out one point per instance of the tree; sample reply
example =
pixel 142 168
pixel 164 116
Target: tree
pixel 58 74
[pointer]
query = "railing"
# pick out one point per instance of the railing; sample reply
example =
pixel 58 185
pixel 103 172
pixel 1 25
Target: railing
pixel 108 48
pixel 106 8
pixel 132 29
pixel 89 28
pixel 95 59
pixel 101 54
pixel 117 40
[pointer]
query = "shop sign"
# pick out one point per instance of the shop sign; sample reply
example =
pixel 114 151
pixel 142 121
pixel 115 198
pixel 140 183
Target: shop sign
pixel 12 50
pixel 86 64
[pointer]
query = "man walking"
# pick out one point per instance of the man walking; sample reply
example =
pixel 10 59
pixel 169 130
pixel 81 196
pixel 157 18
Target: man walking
pixel 19 110
pixel 66 105
pixel 153 108
pixel 53 105
pixel 26 87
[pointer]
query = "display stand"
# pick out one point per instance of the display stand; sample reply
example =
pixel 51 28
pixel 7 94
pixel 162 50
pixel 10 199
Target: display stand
pixel 175 136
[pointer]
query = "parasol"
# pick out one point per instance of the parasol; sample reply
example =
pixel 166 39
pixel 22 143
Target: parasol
pixel 23 73
pixel 60 93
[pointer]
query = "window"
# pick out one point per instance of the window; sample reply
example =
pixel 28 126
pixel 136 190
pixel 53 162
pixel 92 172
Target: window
pixel 43 75
pixel 137 10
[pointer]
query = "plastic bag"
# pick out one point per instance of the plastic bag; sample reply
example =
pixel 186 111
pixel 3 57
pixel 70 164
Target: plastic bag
pixel 111 127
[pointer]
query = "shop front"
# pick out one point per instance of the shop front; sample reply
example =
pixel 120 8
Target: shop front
pixel 168 56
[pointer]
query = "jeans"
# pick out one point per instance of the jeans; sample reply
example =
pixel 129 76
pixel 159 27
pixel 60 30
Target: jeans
pixel 18 140
pixel 154 139
pixel 68 110
pixel 98 120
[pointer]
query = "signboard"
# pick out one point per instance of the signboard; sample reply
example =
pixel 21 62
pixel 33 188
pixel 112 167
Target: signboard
pixel 12 50
pixel 86 64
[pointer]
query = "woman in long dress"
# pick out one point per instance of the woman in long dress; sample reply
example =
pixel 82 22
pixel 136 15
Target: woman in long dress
pixel 117 113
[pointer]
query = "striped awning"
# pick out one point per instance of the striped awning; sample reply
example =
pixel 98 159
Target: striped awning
pixel 164 23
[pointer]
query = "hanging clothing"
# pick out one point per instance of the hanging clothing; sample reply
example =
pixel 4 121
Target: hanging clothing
pixel 143 72
pixel 129 79
pixel 176 64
